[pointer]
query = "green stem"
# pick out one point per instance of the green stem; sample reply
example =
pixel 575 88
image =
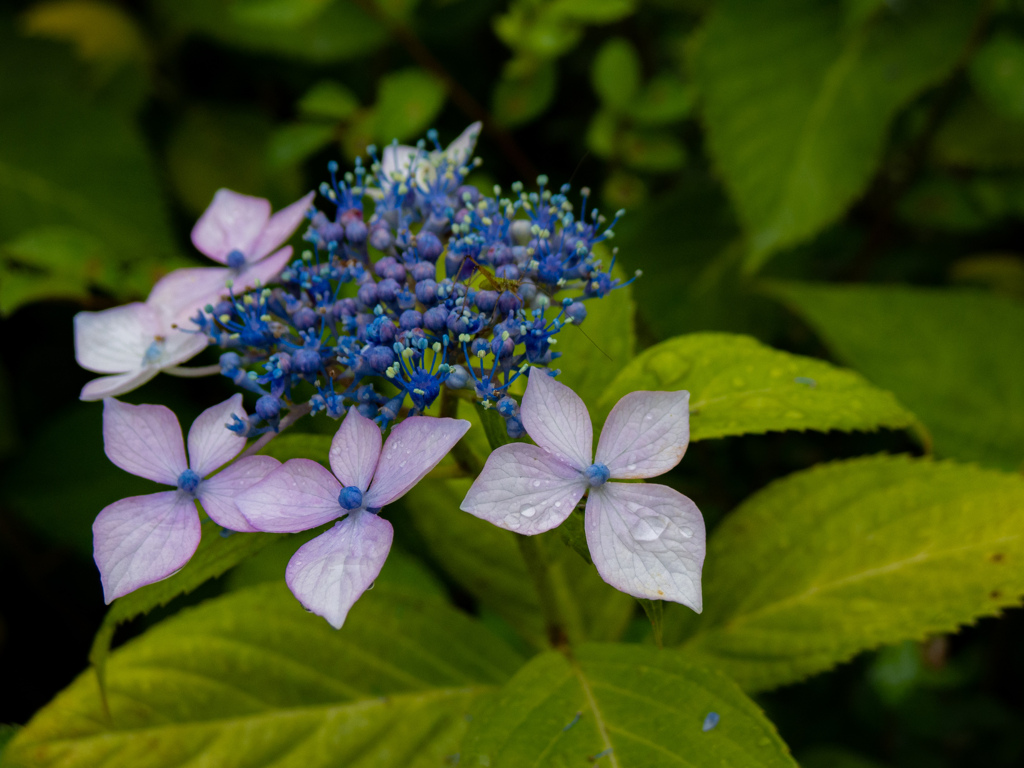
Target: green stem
pixel 462 453
pixel 537 566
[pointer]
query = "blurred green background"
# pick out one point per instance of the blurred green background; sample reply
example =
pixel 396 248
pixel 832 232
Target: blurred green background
pixel 842 178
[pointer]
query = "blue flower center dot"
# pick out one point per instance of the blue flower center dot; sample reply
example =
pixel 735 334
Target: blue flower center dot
pixel 236 259
pixel 596 474
pixel 350 498
pixel 188 481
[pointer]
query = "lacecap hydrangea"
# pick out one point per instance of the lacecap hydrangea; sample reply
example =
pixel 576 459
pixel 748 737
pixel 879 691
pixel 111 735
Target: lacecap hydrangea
pixel 413 280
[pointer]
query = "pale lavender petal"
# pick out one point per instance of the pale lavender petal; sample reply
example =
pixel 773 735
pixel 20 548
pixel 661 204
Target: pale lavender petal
pixel 210 443
pixel 178 347
pixel 112 386
pixel 115 340
pixel 297 496
pixel 144 440
pixel 184 292
pixel 557 419
pixel 525 489
pixel 262 272
pixel 461 150
pixel 396 161
pixel 412 449
pixel 355 450
pixel 217 494
pixel 646 434
pixel 647 541
pixel 280 227
pixel 329 573
pixel 232 222
pixel 143 539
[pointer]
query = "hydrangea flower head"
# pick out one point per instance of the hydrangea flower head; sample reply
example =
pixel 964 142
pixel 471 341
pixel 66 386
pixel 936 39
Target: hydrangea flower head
pixel 143 539
pixel 330 572
pixel 646 540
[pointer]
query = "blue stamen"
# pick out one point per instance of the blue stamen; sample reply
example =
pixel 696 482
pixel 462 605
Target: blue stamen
pixel 188 481
pixel 597 475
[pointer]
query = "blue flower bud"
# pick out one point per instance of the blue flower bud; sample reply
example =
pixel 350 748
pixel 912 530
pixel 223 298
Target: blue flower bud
pixel 422 270
pixel 367 294
pixel 410 319
pixel 388 290
pixel 428 246
pixel 304 318
pixel 389 267
pixel 268 408
pixel 379 357
pixel 507 406
pixel 350 498
pixel 306 361
pixel 486 301
pixel 356 231
pixel 458 378
pixel 380 237
pixel 508 302
pixel 435 319
pixel 426 291
pixel 236 259
pixel 576 311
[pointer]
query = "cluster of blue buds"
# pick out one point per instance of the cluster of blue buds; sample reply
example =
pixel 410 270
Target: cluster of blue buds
pixel 413 281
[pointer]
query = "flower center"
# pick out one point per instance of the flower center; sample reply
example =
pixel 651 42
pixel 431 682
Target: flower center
pixel 350 498
pixel 188 481
pixel 596 474
pixel 154 351
pixel 236 259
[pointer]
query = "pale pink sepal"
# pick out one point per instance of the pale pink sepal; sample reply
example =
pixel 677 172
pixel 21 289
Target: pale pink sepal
pixel 557 419
pixel 355 450
pixel 647 540
pixel 115 340
pixel 297 496
pixel 233 221
pixel 184 292
pixel 413 448
pixel 117 384
pixel 143 539
pixel 144 440
pixel 329 573
pixel 280 227
pixel 210 443
pixel 525 489
pixel 646 434
pixel 217 494
pixel 262 272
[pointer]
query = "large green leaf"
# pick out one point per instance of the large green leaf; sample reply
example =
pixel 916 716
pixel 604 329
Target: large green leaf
pixel 953 356
pixel 251 679
pixel 797 103
pixel 486 561
pixel 739 386
pixel 319 32
pixel 626 706
pixel 407 103
pixel 849 556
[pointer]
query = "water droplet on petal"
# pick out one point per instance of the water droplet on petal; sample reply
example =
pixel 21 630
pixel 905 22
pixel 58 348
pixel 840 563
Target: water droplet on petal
pixel 648 417
pixel 630 467
pixel 402 463
pixel 686 532
pixel 528 510
pixel 536 483
pixel 649 528
pixel 513 521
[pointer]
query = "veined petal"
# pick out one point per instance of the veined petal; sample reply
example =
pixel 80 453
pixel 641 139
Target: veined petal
pixel 262 272
pixel 143 539
pixel 118 384
pixel 396 161
pixel 412 449
pixel 144 440
pixel 297 496
pixel 557 419
pixel 355 450
pixel 646 434
pixel 232 222
pixel 184 292
pixel 280 227
pixel 329 573
pixel 179 347
pixel 217 494
pixel 525 489
pixel 460 151
pixel 115 340
pixel 647 541
pixel 210 443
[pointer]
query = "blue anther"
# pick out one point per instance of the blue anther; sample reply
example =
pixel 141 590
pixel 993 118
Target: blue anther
pixel 236 259
pixel 188 481
pixel 597 475
pixel 350 498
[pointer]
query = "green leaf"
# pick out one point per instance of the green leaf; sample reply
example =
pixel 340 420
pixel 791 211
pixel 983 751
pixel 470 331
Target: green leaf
pixel 944 203
pixel 635 705
pixel 601 345
pixel 276 14
pixel 738 386
pixel 653 151
pixel 329 99
pixel 665 99
pixel 797 105
pixel 519 97
pixel 215 555
pixel 849 556
pixel 953 356
pixel 342 31
pixel 408 101
pixel 7 733
pixel 289 145
pixel 253 679
pixel 593 11
pixel 974 136
pixel 616 73
pixel 485 561
pixel 67 161
pixel 297 445
pixel 997 73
